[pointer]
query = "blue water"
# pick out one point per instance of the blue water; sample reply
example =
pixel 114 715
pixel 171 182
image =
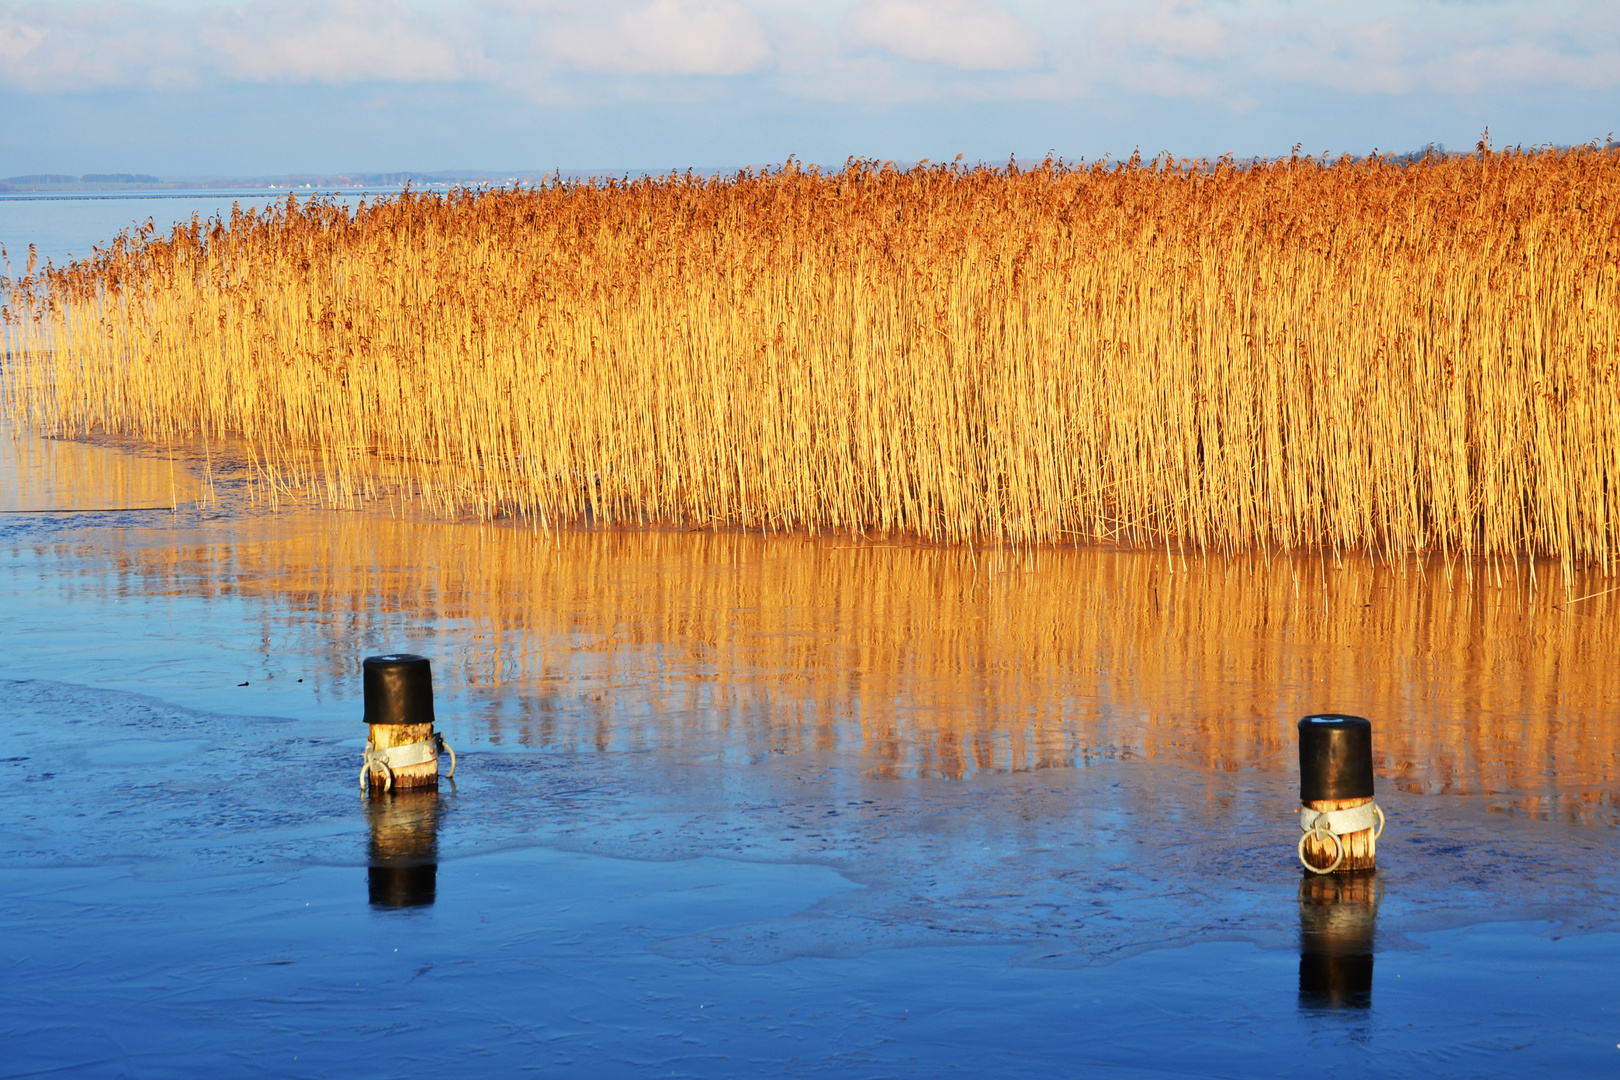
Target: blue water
pixel 63 227
pixel 615 885
pixel 189 892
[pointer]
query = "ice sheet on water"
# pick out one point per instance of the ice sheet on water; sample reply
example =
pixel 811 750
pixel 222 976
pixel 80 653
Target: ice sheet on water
pixel 657 912
pixel 1076 866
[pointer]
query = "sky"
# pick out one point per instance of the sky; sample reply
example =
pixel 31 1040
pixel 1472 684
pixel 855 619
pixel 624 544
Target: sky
pixel 196 88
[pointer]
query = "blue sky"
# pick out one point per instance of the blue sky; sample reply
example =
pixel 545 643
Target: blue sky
pixel 185 87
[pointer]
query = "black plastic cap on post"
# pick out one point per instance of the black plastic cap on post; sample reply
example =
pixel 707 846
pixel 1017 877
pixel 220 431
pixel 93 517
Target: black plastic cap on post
pixel 1335 758
pixel 399 689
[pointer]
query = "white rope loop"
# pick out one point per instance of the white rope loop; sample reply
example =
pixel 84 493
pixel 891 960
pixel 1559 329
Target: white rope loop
pixel 374 763
pixel 1337 824
pixel 384 761
pixel 1322 836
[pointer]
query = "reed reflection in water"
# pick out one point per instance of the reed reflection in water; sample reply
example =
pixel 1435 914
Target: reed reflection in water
pixel 54 475
pixel 938 660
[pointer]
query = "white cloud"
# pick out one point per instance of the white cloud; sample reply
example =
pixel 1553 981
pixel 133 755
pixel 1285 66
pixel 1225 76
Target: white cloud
pixel 1182 29
pixel 665 37
pixel 801 50
pixel 1473 69
pixel 970 35
pixel 345 42
pixel 73 47
pixel 1224 51
pixel 18 39
pixel 1362 58
pixel 53 48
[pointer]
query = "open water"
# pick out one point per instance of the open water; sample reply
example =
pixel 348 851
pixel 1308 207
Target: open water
pixel 65 226
pixel 742 805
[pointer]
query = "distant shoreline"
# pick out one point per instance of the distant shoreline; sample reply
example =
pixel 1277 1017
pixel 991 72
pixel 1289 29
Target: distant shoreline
pixel 184 191
pixel 143 183
pixel 126 183
pixel 21 185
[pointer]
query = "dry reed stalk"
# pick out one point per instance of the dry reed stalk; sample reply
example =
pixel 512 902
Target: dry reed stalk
pixel 1357 356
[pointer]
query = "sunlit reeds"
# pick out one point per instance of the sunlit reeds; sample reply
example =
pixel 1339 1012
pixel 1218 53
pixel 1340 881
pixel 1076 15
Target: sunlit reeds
pixel 1369 355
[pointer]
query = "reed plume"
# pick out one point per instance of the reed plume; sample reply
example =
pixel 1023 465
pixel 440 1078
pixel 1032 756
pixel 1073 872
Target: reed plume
pixel 1360 355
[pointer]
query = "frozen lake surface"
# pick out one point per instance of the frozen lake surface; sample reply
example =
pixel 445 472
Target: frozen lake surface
pixel 732 805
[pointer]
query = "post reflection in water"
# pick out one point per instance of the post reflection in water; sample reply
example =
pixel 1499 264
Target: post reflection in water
pixel 404 848
pixel 1338 915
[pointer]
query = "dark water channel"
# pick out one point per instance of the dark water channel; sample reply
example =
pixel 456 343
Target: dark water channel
pixel 737 805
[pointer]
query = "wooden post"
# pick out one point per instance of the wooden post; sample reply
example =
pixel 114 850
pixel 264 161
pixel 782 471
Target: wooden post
pixel 399 713
pixel 1336 774
pixel 404 847
pixel 1338 915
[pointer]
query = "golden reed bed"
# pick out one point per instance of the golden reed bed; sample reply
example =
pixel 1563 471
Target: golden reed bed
pixel 1370 355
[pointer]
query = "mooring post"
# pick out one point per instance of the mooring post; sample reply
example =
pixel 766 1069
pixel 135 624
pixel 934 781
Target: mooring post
pixel 1339 820
pixel 403 750
pixel 1338 917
